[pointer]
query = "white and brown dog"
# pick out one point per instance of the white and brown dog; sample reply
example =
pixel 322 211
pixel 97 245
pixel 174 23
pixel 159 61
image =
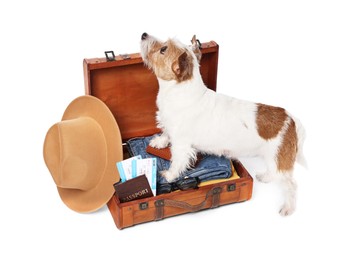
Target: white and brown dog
pixel 195 119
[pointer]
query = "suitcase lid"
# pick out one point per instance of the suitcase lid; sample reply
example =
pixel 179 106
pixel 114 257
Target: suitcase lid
pixel 129 88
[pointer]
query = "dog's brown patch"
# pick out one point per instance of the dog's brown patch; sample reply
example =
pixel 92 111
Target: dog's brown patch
pixel 183 67
pixel 270 120
pixel 287 151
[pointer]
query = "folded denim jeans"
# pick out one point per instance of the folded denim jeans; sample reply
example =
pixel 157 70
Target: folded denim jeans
pixel 210 167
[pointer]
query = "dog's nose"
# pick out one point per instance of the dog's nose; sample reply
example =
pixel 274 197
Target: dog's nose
pixel 144 36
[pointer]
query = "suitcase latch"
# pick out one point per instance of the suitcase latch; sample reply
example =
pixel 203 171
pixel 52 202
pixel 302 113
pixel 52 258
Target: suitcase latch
pixel 231 187
pixel 125 56
pixel 143 205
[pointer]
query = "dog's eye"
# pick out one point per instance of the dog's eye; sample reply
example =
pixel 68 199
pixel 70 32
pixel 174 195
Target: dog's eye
pixel 163 49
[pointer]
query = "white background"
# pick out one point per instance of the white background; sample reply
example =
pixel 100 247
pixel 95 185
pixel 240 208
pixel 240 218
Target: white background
pixel 287 53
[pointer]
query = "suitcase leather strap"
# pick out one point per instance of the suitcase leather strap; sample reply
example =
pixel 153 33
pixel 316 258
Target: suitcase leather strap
pixel 160 204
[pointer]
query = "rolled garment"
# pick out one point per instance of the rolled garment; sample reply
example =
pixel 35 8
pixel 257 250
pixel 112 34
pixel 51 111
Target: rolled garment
pixel 209 167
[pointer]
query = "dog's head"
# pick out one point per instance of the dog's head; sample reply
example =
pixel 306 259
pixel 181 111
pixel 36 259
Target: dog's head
pixel 170 60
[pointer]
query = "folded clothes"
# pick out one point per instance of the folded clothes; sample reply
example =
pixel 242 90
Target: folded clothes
pixel 209 167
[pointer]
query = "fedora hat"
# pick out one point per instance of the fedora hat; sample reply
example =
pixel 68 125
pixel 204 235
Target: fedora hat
pixel 81 152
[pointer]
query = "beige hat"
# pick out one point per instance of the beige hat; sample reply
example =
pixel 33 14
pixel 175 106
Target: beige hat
pixel 81 153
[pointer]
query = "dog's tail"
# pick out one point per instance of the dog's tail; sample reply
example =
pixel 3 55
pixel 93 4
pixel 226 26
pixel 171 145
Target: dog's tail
pixel 301 133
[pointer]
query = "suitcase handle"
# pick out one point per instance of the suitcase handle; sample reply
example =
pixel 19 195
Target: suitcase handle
pixel 160 204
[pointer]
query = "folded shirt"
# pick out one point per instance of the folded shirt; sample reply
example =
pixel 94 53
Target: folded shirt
pixel 209 167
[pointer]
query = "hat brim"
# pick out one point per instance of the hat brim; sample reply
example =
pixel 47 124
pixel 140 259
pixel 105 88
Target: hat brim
pixel 93 199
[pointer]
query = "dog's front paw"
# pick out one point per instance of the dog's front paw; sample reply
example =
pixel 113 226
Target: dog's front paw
pixel 159 142
pixel 286 210
pixel 169 176
pixel 264 177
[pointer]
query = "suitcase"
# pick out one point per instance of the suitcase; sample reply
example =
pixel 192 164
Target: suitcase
pixel 129 89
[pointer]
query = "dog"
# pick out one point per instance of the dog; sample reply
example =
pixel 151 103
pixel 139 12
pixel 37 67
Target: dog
pixel 194 119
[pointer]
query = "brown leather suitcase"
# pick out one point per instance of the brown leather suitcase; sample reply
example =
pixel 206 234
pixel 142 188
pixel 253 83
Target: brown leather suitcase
pixel 129 89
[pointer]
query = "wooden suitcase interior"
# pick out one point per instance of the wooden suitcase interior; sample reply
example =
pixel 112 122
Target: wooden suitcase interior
pixel 129 89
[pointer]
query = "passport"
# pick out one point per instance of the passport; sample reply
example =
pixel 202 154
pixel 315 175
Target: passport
pixel 133 189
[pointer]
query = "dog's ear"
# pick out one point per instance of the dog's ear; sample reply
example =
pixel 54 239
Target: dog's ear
pixel 196 48
pixel 183 67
